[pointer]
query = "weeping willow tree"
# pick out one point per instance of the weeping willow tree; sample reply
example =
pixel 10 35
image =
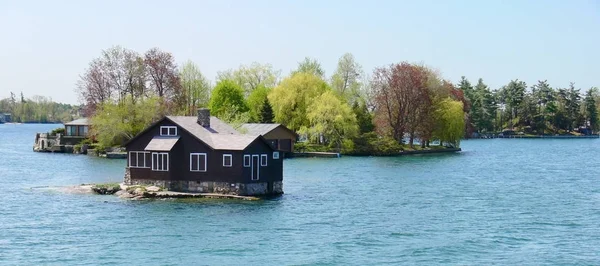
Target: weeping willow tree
pixel 449 122
pixel 115 123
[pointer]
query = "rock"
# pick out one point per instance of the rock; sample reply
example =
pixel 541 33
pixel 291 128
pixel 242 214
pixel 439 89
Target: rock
pixel 138 191
pixel 153 189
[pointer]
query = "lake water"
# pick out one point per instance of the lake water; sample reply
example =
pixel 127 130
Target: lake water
pixel 500 201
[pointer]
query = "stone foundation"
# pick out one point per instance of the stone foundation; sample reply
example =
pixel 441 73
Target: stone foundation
pixel 242 189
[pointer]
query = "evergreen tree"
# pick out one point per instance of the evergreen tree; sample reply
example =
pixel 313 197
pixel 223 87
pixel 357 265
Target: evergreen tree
pixel 266 112
pixel 363 117
pixel 591 109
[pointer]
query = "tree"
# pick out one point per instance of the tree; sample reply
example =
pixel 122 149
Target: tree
pixel 346 79
pixel 266 112
pixel 164 76
pixel 256 101
pixel 115 123
pixel 195 86
pixel 227 98
pixel 94 86
pixel 400 94
pixel 330 120
pixel 591 111
pixel 291 98
pixel 364 119
pixel 450 123
pixel 310 66
pixel 252 76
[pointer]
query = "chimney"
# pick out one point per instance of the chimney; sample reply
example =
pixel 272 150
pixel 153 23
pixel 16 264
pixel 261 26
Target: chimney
pixel 204 117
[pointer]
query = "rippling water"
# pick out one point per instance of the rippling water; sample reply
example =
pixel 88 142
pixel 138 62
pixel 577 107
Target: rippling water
pixel 499 201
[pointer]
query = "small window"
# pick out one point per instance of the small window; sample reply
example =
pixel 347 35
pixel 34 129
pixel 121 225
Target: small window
pixel 246 160
pixel 160 161
pixel 263 160
pixel 197 162
pixel 168 131
pixel 139 159
pixel 227 160
pixel 275 155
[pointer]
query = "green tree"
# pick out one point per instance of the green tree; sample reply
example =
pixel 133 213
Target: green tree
pixel 256 101
pixel 364 119
pixel 591 110
pixel 330 120
pixel 227 98
pixel 310 66
pixel 115 123
pixel 266 112
pixel 195 86
pixel 347 77
pixel 251 77
pixel 450 123
pixel 291 98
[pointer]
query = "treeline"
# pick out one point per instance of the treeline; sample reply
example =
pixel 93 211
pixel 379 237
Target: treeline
pixel 539 109
pixel 37 109
pixel 399 106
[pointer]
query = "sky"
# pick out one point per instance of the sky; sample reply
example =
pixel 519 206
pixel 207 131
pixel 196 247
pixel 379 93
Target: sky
pixel 46 45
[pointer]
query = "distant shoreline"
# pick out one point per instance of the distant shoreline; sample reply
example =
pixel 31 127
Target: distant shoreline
pixel 539 137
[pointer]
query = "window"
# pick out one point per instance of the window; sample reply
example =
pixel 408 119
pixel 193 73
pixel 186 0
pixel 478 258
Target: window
pixel 71 130
pixel 160 161
pixel 275 155
pixel 139 159
pixel 227 160
pixel 197 162
pixel 263 160
pixel 85 131
pixel 168 131
pixel 246 160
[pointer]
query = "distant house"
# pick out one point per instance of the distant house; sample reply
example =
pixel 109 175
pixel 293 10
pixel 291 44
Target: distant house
pixel 77 128
pixel 5 118
pixel 278 135
pixel 203 154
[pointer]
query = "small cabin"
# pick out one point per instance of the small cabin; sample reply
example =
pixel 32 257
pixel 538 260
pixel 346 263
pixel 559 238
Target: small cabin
pixel 203 154
pixel 77 128
pixel 5 118
pixel 278 135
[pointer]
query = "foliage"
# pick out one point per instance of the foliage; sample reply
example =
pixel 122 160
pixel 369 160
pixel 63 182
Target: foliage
pixel 266 113
pixel 252 77
pixel 116 123
pixel 364 118
pixel 347 78
pixel 310 66
pixel 195 86
pixel 293 95
pixel 60 130
pixel 37 109
pixel 372 144
pixel 450 123
pixel 227 98
pixel 591 111
pixel 330 120
pixel 256 101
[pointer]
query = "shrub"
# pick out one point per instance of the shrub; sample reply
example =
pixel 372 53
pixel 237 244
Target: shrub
pixel 371 144
pixel 60 130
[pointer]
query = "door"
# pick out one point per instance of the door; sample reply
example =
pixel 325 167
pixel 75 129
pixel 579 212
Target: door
pixel 255 167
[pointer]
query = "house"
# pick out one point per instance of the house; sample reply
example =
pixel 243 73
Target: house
pixel 278 135
pixel 5 118
pixel 203 154
pixel 76 131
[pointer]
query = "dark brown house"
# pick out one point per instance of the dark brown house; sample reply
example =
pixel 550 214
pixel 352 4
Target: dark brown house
pixel 203 154
pixel 278 135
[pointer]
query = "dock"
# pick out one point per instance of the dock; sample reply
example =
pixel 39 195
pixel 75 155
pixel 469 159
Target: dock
pixel 315 155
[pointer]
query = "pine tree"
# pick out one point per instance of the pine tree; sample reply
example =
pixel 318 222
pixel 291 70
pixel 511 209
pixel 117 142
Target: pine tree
pixel 591 110
pixel 266 112
pixel 363 117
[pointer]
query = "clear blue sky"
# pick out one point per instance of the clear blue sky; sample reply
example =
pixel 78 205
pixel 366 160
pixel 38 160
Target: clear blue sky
pixel 45 45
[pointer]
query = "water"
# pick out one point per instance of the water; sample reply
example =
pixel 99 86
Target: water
pixel 500 201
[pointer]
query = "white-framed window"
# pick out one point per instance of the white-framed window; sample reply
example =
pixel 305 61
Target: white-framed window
pixel 160 161
pixel 168 131
pixel 275 155
pixel 246 160
pixel 139 159
pixel 198 162
pixel 263 160
pixel 227 160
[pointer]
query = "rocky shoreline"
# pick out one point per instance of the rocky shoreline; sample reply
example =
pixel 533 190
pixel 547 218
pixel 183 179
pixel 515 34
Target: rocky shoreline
pixel 139 192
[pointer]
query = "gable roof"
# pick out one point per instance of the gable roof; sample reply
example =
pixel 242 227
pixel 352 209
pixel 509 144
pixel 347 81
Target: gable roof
pixel 219 136
pixel 78 122
pixel 263 129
